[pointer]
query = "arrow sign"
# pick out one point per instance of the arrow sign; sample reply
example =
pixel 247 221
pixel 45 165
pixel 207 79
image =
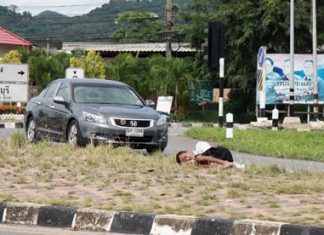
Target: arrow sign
pixel 14 73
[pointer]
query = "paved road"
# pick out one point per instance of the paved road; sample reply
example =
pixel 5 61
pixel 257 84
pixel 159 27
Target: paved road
pixel 6 229
pixel 177 142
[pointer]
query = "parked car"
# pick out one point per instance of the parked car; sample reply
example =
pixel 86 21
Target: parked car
pixel 80 111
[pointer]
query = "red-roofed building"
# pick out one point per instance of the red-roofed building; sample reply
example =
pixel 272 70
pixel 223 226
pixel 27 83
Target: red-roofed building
pixel 10 41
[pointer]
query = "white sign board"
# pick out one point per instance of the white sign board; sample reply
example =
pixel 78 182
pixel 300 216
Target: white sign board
pixel 74 73
pixel 13 73
pixel 164 104
pixel 12 92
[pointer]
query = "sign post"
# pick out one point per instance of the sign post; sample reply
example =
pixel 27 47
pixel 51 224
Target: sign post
pixel 13 82
pixel 74 73
pixel 261 80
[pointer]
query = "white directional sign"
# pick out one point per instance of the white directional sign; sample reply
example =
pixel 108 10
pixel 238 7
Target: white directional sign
pixel 13 73
pixel 164 104
pixel 13 92
pixel 74 73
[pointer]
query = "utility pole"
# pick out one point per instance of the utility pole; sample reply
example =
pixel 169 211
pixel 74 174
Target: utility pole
pixel 168 28
pixel 47 46
pixel 315 80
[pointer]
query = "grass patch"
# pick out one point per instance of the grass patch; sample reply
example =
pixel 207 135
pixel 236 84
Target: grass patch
pixel 284 143
pixel 121 179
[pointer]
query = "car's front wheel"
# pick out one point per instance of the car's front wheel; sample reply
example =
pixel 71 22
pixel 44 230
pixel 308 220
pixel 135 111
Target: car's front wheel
pixel 74 134
pixel 31 130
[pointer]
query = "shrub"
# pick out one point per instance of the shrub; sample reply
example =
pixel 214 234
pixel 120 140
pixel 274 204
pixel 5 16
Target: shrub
pixel 11 109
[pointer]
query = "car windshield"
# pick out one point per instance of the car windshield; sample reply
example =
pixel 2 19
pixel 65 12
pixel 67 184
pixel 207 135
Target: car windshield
pixel 105 94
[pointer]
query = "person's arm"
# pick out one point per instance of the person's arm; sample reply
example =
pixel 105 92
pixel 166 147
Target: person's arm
pixel 207 160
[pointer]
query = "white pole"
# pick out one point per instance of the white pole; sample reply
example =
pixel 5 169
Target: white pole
pixel 275 117
pixel 315 81
pixel 221 92
pixel 292 60
pixel 229 126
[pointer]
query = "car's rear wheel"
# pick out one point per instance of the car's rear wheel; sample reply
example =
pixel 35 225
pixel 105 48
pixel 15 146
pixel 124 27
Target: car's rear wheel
pixel 31 130
pixel 74 134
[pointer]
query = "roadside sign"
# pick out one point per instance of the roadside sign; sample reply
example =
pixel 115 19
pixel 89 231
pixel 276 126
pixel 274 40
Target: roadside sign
pixel 13 73
pixel 164 104
pixel 74 73
pixel 203 93
pixel 13 92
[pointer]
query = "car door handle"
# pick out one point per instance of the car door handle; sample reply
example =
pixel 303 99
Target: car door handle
pixel 51 106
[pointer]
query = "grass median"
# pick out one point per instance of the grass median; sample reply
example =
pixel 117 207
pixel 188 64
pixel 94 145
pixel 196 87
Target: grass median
pixel 125 180
pixel 283 144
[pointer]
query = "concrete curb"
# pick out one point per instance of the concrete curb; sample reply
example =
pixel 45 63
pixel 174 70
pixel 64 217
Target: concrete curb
pixel 139 223
pixel 12 125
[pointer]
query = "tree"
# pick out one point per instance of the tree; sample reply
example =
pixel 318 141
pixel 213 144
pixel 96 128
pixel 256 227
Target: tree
pixel 131 70
pixel 12 56
pixel 249 25
pixel 138 27
pixel 92 63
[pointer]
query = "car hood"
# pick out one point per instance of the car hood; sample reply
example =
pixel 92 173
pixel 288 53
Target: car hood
pixel 123 111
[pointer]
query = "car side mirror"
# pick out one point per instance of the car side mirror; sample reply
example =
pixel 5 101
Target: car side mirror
pixel 150 103
pixel 60 100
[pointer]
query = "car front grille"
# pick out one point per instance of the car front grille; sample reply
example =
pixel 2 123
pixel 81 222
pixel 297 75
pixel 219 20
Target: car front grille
pixel 132 123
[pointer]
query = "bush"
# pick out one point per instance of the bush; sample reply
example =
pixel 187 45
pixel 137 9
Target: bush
pixel 11 109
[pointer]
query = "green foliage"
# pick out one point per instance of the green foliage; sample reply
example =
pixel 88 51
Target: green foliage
pixel 138 27
pixel 95 26
pixel 92 63
pixel 44 69
pixel 155 75
pixel 12 56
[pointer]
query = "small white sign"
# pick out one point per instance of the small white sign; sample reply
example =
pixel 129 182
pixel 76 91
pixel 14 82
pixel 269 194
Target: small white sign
pixel 74 73
pixel 14 72
pixel 164 104
pixel 11 92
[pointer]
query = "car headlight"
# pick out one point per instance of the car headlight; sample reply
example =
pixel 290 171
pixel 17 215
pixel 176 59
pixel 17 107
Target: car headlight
pixel 162 120
pixel 89 117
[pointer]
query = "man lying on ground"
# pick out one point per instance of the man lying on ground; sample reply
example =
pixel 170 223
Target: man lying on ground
pixel 205 155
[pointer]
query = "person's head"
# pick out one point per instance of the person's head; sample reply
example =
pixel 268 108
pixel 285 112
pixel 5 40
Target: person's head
pixel 308 68
pixel 184 156
pixel 268 65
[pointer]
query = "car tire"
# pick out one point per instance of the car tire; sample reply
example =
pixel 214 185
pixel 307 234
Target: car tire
pixel 74 134
pixel 31 132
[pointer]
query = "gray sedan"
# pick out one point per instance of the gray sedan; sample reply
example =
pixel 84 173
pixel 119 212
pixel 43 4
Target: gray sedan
pixel 80 111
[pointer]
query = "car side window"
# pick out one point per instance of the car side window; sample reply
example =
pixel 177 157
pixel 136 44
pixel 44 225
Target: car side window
pixel 51 90
pixel 64 91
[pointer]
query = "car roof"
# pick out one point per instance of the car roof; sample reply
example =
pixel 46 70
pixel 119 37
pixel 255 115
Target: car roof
pixel 91 81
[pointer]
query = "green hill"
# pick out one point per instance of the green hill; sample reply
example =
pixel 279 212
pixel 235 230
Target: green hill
pixel 97 25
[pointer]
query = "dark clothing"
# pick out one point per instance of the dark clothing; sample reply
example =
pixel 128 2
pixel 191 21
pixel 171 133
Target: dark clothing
pixel 219 153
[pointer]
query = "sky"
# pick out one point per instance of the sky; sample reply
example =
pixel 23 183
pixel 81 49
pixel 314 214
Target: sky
pixel 66 7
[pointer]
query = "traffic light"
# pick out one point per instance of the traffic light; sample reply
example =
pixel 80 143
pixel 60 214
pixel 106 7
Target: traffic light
pixel 216 37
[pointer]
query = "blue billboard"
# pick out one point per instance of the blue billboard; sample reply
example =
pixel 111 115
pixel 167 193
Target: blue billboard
pixel 277 78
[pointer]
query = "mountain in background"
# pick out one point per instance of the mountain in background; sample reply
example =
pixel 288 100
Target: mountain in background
pixel 50 14
pixel 97 25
